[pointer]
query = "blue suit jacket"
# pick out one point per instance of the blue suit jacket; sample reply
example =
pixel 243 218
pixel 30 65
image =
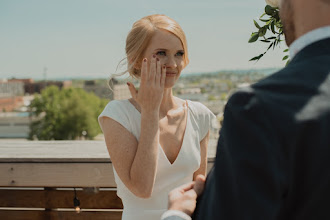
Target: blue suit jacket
pixel 273 155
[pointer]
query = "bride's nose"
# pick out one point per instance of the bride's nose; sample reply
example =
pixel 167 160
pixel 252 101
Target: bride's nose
pixel 170 62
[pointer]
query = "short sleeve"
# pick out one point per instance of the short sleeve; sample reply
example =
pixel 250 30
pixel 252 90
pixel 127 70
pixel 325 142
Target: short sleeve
pixel 117 111
pixel 203 118
pixel 206 123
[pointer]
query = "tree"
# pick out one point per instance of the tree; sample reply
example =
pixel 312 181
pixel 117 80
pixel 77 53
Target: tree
pixel 65 114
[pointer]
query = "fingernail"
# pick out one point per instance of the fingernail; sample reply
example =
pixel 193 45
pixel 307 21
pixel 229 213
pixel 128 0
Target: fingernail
pixel 154 56
pixel 128 84
pixel 157 59
pixel 164 66
pixel 145 60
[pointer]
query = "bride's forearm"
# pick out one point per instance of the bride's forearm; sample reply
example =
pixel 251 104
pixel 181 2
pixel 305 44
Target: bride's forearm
pixel 144 166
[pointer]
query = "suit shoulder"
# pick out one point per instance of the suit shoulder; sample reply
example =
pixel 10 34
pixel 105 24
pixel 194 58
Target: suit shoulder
pixel 242 97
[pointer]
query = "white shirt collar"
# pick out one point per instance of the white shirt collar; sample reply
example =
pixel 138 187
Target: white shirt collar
pixel 309 38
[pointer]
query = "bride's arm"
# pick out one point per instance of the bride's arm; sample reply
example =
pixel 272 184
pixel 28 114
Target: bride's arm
pixel 135 162
pixel 203 146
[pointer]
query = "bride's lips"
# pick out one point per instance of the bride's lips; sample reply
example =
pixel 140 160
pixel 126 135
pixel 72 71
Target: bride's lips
pixel 170 74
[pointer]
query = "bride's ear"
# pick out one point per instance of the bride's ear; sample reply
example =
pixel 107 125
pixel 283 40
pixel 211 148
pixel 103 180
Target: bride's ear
pixel 137 65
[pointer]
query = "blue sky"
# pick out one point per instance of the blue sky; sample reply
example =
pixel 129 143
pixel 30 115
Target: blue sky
pixel 78 38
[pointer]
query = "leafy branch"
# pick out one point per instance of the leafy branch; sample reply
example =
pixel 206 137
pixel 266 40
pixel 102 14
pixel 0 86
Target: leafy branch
pixel 271 24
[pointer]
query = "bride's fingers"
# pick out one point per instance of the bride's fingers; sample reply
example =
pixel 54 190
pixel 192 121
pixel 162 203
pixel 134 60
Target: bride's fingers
pixel 144 70
pixel 163 77
pixel 152 70
pixel 199 184
pixel 158 73
pixel 132 90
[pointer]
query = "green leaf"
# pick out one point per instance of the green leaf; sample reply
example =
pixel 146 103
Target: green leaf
pixel 276 15
pixel 264 20
pixel 254 37
pixel 278 24
pixel 272 23
pixel 261 55
pixel 262 31
pixel 254 58
pixel 287 63
pixel 286 50
pixel 285 57
pixel 270 46
pixel 273 27
pixel 269 10
pixel 257 57
pixel 278 41
pixel 256 24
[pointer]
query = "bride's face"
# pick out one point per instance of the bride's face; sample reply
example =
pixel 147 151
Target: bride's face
pixel 169 50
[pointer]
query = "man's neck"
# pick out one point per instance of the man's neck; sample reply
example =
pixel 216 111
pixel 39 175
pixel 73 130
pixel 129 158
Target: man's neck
pixel 310 15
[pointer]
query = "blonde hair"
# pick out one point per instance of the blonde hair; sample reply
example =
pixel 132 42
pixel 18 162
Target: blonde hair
pixel 140 35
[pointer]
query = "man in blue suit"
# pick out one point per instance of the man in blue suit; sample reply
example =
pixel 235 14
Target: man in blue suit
pixel 273 155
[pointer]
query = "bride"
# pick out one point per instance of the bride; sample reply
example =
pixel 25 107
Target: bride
pixel 156 141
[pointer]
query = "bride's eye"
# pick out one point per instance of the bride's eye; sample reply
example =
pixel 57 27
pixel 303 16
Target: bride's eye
pixel 161 53
pixel 180 54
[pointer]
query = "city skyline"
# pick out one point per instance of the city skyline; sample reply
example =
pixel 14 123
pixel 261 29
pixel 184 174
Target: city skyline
pixel 87 38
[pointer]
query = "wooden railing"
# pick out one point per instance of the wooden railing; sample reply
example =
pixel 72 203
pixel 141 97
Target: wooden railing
pixel 41 179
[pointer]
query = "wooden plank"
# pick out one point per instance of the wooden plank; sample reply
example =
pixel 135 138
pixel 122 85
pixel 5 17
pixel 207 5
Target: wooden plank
pixel 57 175
pixel 103 199
pixel 53 151
pixel 59 215
pixel 62 151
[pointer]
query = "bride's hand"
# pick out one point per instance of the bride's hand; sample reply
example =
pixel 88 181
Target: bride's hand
pixel 152 84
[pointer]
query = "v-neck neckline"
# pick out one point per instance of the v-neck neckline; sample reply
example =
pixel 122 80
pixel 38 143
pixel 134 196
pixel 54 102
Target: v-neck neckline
pixel 182 144
pixel 184 135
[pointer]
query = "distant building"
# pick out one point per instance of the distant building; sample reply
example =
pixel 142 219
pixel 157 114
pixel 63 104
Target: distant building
pixel 217 107
pixel 9 102
pixel 11 95
pixel 115 91
pixel 194 97
pixel 28 86
pixel 120 92
pixel 25 81
pixel 223 87
pixel 37 87
pixel 102 91
pixel 12 88
pixel 191 91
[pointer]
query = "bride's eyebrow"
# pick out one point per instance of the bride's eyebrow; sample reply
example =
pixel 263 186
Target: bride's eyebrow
pixel 167 50
pixel 160 49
